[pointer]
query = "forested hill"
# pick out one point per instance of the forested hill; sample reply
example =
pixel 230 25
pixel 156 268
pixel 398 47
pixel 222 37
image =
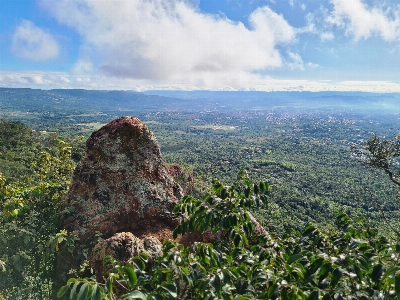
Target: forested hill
pixel 340 258
pixel 299 143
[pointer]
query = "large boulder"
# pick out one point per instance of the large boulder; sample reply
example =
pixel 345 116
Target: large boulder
pixel 121 185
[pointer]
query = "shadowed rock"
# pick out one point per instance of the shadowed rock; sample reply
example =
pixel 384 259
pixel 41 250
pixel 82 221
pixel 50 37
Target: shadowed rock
pixel 123 247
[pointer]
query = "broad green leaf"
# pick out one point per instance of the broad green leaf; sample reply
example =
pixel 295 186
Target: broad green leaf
pixel 62 291
pixel 247 192
pixel 316 264
pixel 336 275
pixel 134 295
pixel 272 290
pixel 323 284
pixel 236 240
pixel 243 297
pixel 313 296
pixel 96 292
pixel 209 216
pixel 177 231
pixel 72 280
pixel 216 283
pixel 359 272
pixel 224 193
pixel 308 230
pixel 377 272
pixel 132 278
pixel 139 263
pixel 326 297
pixel 170 288
pixel 397 286
pixel 72 294
pixel 83 292
pixel 325 269
pixel 144 256
pixel 256 189
pixel 391 271
pixel 294 258
pixel 262 187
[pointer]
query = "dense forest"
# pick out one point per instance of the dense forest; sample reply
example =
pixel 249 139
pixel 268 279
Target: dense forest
pixel 325 191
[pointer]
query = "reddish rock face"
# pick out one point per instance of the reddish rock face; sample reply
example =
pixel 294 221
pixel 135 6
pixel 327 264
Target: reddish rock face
pixel 121 185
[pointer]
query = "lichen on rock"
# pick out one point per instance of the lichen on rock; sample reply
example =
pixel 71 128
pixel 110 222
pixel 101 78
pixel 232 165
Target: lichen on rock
pixel 121 182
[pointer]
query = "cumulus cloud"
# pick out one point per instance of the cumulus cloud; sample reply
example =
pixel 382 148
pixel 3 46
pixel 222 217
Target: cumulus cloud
pixel 166 40
pixel 362 21
pixel 33 43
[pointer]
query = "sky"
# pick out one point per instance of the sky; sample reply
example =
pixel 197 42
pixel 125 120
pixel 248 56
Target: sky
pixel 263 45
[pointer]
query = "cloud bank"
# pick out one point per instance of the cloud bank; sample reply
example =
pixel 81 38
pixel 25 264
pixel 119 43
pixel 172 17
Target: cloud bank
pixel 54 80
pixel 165 40
pixel 172 44
pixel 33 43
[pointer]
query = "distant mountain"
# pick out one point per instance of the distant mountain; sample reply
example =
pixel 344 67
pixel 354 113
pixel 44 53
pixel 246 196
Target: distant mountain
pixel 31 100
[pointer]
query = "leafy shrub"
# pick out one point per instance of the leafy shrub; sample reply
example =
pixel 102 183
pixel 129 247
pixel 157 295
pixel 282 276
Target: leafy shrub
pixel 29 216
pixel 350 263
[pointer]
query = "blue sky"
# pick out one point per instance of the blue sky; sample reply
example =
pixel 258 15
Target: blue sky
pixel 268 45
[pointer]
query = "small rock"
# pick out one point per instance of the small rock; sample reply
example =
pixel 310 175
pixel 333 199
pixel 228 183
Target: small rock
pixel 123 246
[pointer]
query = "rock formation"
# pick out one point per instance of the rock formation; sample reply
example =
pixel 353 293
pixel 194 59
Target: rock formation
pixel 123 192
pixel 121 184
pixel 123 247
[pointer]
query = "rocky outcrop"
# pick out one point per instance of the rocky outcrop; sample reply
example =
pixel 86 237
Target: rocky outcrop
pixel 122 192
pixel 123 247
pixel 121 185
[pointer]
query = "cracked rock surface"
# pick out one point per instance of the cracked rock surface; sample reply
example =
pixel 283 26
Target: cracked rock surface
pixel 121 185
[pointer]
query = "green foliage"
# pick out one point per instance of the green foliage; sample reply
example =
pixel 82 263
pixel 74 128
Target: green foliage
pixel 350 263
pixel 225 212
pixel 304 156
pixel 29 213
pixel 382 155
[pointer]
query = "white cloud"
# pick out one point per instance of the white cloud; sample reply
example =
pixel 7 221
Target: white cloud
pixel 33 43
pixel 172 41
pixel 362 21
pixel 82 67
pixel 327 36
pixel 295 61
pixel 34 79
pixel 312 65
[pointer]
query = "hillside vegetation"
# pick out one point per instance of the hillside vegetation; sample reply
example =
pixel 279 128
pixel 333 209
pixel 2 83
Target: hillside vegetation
pixel 332 213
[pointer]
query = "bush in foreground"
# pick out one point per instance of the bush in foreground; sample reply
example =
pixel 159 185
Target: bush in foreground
pixel 350 263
